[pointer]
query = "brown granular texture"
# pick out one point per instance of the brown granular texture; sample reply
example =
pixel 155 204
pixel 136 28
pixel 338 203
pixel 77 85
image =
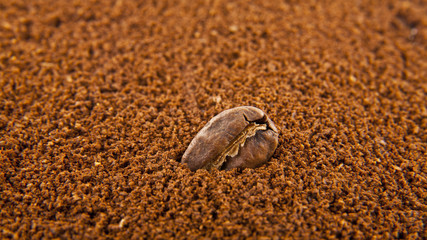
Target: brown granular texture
pixel 100 99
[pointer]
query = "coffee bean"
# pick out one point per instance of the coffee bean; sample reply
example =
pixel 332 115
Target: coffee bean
pixel 241 137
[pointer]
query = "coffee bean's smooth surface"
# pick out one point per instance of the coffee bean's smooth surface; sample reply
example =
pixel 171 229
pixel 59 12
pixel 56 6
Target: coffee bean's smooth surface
pixel 241 137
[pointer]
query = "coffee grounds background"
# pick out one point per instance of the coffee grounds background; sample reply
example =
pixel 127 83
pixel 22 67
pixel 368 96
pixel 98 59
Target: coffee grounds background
pixel 100 99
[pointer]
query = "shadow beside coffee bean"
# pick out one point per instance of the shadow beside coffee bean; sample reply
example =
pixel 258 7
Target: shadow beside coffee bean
pixel 241 137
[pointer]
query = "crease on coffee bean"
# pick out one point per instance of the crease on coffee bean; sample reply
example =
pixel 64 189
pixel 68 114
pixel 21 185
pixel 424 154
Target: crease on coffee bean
pixel 233 148
pixel 262 120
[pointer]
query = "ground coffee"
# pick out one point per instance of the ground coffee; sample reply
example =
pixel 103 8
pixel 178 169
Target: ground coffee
pixel 100 99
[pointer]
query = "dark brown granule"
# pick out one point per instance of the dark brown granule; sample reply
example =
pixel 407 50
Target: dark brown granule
pixel 99 100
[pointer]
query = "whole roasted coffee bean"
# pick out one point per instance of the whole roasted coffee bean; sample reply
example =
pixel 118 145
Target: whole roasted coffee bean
pixel 241 137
